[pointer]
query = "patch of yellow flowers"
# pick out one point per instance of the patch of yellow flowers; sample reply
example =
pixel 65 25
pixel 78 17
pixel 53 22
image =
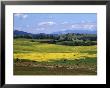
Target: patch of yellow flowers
pixel 52 56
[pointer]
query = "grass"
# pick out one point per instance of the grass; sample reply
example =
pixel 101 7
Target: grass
pixel 36 58
pixel 26 46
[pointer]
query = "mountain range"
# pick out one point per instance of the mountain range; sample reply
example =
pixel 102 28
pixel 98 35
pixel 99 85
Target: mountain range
pixel 17 32
pixel 77 31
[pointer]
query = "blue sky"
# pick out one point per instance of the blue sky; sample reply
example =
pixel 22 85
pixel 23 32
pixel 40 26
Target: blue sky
pixel 54 22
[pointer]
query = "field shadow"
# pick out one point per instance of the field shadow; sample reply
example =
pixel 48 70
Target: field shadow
pixel 56 67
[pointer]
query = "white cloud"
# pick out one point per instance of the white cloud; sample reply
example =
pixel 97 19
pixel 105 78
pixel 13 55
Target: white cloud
pixel 49 23
pixel 24 16
pixel 40 29
pixel 27 25
pixel 64 22
pixel 81 25
pixel 83 21
pixel 63 29
pixel 50 17
pixel 17 28
pixel 21 15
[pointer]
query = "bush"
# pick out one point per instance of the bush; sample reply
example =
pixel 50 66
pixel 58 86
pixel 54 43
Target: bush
pixel 77 43
pixel 32 40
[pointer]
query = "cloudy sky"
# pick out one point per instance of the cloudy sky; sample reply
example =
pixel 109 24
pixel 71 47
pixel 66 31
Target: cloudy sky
pixel 54 22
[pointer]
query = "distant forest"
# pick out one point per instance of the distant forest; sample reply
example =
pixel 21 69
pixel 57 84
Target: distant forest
pixel 71 39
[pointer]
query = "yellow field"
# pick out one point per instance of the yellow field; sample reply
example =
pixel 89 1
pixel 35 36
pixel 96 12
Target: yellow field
pixel 24 49
pixel 53 56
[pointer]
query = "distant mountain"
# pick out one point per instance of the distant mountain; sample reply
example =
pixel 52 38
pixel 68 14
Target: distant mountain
pixel 16 32
pixel 76 31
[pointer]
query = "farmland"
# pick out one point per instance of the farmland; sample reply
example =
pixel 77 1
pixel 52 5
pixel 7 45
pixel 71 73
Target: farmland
pixel 32 57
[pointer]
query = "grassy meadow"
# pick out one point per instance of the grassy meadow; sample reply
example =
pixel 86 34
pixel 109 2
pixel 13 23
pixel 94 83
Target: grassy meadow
pixel 32 57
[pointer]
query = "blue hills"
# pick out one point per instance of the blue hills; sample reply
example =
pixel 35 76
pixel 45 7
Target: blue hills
pixel 77 31
pixel 17 32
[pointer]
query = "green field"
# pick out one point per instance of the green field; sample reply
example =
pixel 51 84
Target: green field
pixel 31 57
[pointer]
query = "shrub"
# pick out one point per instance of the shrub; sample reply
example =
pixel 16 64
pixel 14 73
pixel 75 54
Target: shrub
pixel 32 40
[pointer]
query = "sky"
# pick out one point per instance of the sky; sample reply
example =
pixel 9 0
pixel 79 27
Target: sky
pixel 53 22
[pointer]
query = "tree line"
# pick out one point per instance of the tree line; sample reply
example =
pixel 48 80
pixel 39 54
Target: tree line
pixel 64 39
